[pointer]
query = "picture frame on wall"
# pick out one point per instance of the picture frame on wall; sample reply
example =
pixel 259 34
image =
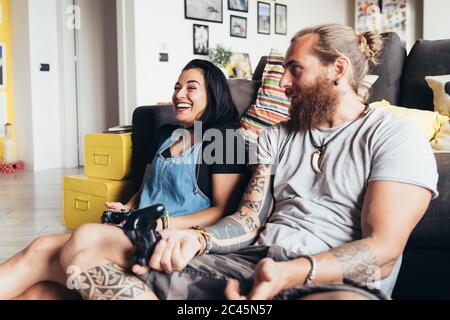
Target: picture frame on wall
pixel 238 26
pixel 280 19
pixel 201 39
pixel 238 5
pixel 239 66
pixel 204 10
pixel 2 66
pixel 264 17
pixel 383 16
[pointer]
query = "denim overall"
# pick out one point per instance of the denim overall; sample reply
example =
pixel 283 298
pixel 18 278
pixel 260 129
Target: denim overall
pixel 172 182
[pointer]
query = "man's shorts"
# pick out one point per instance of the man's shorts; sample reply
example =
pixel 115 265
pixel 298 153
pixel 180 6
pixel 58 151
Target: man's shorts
pixel 205 278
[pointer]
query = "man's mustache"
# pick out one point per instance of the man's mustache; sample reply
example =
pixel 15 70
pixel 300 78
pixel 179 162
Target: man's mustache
pixel 290 93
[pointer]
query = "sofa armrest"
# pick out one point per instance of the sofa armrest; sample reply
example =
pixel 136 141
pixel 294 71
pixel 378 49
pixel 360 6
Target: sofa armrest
pixel 434 229
pixel 146 122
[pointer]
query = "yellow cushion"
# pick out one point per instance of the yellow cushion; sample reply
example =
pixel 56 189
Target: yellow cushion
pixel 439 85
pixel 442 140
pixel 430 122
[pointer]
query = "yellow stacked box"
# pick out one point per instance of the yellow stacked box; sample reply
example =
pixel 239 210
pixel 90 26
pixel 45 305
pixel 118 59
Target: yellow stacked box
pixel 84 198
pixel 107 160
pixel 107 156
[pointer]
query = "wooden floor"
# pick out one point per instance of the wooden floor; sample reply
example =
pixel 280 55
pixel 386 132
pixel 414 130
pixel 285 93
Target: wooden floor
pixel 30 206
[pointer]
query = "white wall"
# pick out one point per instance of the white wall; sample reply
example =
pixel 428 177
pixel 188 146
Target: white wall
pixel 163 28
pixel 45 85
pixel 436 20
pixel 46 102
pixel 126 52
pixel 37 108
pixel 21 79
pixel 414 22
pixel 98 105
pixel 68 92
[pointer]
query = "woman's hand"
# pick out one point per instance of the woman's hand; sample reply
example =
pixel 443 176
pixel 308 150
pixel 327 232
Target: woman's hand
pixel 116 206
pixel 270 280
pixel 173 252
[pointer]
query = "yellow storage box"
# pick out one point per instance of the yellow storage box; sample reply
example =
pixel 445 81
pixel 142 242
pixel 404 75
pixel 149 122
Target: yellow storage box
pixel 84 198
pixel 107 156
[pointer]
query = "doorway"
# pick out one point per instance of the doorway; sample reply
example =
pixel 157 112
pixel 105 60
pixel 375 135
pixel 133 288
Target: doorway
pixel 90 79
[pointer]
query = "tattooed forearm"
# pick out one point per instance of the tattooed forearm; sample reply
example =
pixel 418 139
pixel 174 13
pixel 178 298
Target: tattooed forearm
pixel 357 260
pixel 256 185
pixel 254 206
pixel 258 180
pixel 229 235
pixel 110 282
pixel 240 229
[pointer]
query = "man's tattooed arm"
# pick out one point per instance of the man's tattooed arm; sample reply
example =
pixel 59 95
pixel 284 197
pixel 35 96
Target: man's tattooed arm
pixel 241 229
pixel 390 213
pixel 358 262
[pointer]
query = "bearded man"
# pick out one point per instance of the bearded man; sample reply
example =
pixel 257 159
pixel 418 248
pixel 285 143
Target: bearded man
pixel 335 194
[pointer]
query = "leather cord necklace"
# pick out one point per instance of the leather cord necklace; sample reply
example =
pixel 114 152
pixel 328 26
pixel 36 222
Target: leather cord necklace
pixel 317 157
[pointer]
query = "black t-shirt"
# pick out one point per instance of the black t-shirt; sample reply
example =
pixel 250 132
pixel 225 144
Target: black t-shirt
pixel 205 171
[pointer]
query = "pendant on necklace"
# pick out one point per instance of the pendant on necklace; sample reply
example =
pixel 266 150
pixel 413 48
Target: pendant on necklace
pixel 315 161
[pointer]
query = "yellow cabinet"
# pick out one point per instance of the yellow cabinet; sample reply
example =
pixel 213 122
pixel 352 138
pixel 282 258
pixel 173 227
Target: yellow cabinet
pixel 84 198
pixel 107 156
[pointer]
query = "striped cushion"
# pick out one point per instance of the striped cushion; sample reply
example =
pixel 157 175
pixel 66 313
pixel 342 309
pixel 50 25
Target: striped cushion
pixel 272 105
pixel 365 85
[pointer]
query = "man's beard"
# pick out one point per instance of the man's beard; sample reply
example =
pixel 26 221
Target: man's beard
pixel 311 106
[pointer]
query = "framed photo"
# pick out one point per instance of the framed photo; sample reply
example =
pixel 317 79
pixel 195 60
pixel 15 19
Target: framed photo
pixel 238 26
pixel 239 66
pixel 238 5
pixel 280 19
pixel 201 39
pixel 2 66
pixel 264 17
pixel 204 10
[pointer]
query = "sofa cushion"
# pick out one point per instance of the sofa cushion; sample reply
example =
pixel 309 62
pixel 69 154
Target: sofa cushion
pixel 423 275
pixel 427 58
pixel 430 122
pixel 389 70
pixel 433 232
pixel 243 93
pixel 441 93
pixel 259 71
pixel 146 122
pixel 366 85
pixel 272 104
pixel 442 140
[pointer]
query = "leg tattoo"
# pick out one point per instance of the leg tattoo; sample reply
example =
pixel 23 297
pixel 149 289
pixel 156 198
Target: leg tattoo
pixel 109 282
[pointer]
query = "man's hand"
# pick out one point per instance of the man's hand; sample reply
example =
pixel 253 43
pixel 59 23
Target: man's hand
pixel 116 206
pixel 269 281
pixel 175 250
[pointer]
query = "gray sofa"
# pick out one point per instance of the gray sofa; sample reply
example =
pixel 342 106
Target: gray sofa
pixel 426 260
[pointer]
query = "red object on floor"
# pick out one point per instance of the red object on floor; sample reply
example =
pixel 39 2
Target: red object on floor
pixel 11 167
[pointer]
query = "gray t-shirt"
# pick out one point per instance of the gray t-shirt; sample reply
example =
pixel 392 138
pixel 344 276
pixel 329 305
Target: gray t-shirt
pixel 313 212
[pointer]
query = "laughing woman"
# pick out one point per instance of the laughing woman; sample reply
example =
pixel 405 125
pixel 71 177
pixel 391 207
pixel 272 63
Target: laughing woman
pixel 195 193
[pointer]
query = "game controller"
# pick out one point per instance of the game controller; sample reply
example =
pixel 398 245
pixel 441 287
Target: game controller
pixel 140 227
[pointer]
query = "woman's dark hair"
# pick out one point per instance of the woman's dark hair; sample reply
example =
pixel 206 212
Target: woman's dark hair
pixel 220 110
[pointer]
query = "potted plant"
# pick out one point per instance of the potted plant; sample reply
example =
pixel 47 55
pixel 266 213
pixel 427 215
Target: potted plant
pixel 221 57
